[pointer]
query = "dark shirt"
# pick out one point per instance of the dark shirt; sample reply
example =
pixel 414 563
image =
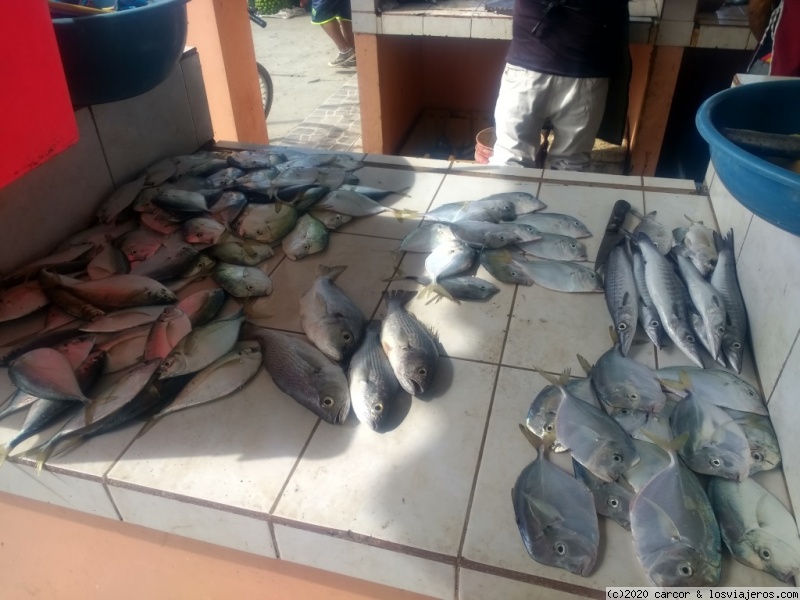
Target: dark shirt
pixel 580 38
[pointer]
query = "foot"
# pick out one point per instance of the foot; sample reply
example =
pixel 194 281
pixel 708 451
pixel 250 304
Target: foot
pixel 350 62
pixel 343 57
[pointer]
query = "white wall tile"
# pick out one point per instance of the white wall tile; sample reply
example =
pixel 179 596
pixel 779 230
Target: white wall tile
pixel 718 36
pixel 363 5
pixel 730 213
pixel 445 26
pixel 491 28
pixel 674 33
pixel 198 101
pixel 365 22
pixel 394 24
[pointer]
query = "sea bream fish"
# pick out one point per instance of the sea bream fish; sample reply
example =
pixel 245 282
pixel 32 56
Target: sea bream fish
pixel 373 386
pixel 556 516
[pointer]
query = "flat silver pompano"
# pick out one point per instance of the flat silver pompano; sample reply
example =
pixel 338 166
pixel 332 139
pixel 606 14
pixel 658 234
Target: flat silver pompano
pixel 125 349
pixel 181 201
pixel 309 236
pixel 170 328
pixel 462 287
pixel 504 206
pixel 77 349
pixel 652 460
pixel 448 258
pixel 523 202
pixel 374 193
pixel 121 291
pixel 257 181
pixel 203 230
pixel 667 293
pixel 698 243
pixel 373 386
pixel 223 377
pixel 660 236
pixel 255 159
pixel 611 499
pixel 716 444
pixel 756 527
pixel 22 300
pixel 481 234
pixel 202 306
pixel 330 177
pixel 201 347
pixel 410 347
pixel 119 200
pixel 725 280
pixel 46 373
pixel 765 453
pixel 630 420
pixel 715 386
pixel 305 374
pixel 675 533
pixel 503 266
pixel 159 172
pixel 541 418
pixel 563 276
pixel 427 237
pixel 265 222
pixel 228 206
pixel 354 204
pixel 294 175
pixel 224 178
pixel 329 318
pixel 556 223
pixel 648 314
pixel 123 319
pixel 109 261
pixel 555 247
pixel 556 517
pixel 169 261
pixel 329 218
pixel 241 252
pixel 709 305
pixel 622 382
pixel 242 282
pixel 621 296
pixel 140 243
pixel 595 439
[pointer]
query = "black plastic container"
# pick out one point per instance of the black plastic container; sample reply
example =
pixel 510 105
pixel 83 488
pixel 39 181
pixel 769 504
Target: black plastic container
pixel 119 55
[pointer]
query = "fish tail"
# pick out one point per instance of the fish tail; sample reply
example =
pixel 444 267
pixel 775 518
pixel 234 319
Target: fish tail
pixel 585 365
pixel 404 213
pixel 398 297
pixel 719 242
pixel 671 446
pixel 435 289
pixel 729 239
pixel 332 272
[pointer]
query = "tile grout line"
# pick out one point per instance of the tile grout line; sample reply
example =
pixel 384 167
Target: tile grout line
pixel 271 527
pixel 485 433
pixel 113 504
pixel 103 148
pixel 783 366
pixel 294 468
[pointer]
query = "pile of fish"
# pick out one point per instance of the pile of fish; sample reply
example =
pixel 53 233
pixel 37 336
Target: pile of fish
pixel 507 236
pixel 119 344
pixel 681 283
pixel 668 454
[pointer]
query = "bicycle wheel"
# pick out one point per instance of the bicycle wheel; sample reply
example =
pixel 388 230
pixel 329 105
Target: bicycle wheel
pixel 265 83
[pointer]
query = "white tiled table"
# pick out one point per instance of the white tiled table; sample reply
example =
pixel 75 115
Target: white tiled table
pixel 425 506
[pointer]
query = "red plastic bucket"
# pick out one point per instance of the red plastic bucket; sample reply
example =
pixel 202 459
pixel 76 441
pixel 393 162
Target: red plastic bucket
pixel 484 145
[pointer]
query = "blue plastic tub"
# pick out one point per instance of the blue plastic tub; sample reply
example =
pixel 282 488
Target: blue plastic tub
pixel 122 54
pixel 771 192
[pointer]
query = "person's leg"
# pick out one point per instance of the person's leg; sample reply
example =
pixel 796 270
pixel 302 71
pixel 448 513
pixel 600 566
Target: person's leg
pixel 576 111
pixel 335 33
pixel 347 31
pixel 518 116
pixel 325 14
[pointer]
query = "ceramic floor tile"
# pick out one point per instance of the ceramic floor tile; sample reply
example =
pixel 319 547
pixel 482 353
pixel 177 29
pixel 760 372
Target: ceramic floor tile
pixel 364 562
pixel 56 488
pixel 412 162
pixel 672 209
pixel 718 36
pixel 770 295
pixel 490 28
pixel 730 213
pixel 627 180
pixel 235 452
pixel 418 191
pixel 193 521
pixel 137 132
pixel 468 167
pixel 362 281
pixel 666 182
pixel 474 585
pixel 472 330
pixel 429 456
pixel 56 199
pixel 397 24
pixel 198 101
pixel 445 26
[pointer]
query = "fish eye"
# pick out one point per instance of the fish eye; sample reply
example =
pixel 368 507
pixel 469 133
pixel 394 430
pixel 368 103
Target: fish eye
pixel 560 548
pixel 654 323
pixel 422 371
pixel 757 456
pixel 713 262
pixel 751 393
pixel 502 238
pixel 617 458
pixel 720 330
pixel 633 396
pixel 765 553
pixel 624 411
pixel 259 231
pixel 250 287
pixel 512 273
pixel 378 408
pixel 327 402
pixel 736 345
pixel 613 502
pixel 690 339
pixel 346 336
pixel 549 427
pixel 622 326
pixel 686 570
pixel 573 245
pixel 715 462
pixel 306 246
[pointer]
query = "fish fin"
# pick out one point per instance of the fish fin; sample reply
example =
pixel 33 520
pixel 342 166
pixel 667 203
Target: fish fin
pixel 535 441
pixel 5 450
pixel 399 297
pixel 375 325
pixel 438 290
pixel 402 192
pixel 561 380
pixel 585 365
pixel 398 275
pixel 332 272
pixel 613 333
pixel 691 220
pixel 729 239
pixel 719 242
pixel 626 297
pixel 404 213
pixel 670 446
pixel 676 387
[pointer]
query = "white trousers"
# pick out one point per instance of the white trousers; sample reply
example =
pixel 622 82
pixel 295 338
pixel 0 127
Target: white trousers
pixel 527 99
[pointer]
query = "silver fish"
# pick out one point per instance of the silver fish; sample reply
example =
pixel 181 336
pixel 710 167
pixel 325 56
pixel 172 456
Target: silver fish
pixel 756 527
pixel 698 243
pixel 67 256
pixel 660 236
pixel 181 200
pixel 667 291
pixel 121 291
pixel 427 237
pixel 109 261
pixel 624 383
pixel 46 373
pixel 709 304
pixel 241 252
pixel 306 375
pixel 228 206
pixel 168 262
pixel 329 218
pixel 374 193
pixel 119 200
pixel 159 172
pixel 523 202
pixel 714 386
pixel 408 344
pixel 765 453
pixel 675 533
pixel 224 178
pixel 170 328
pixel 99 234
pixel 716 444
pixel 611 499
pixel 255 159
pixel 541 418
pixel 648 314
pixel 123 319
pixel 481 234
pixel 556 517
pixel 203 230
pixel 725 280
pixel 257 181
pixel 496 208
pixel 330 177
pixel 462 287
pixel 357 205
pixel 329 318
pixel 140 243
pixel 563 276
pixel 556 223
pixel 125 349
pixel 502 265
pixel 221 378
pixel 202 306
pixel 309 236
pixel 448 258
pixel 621 296
pixel 265 222
pixel 652 460
pixel 555 247
pixel 22 300
pixel 200 348
pixel 242 282
pixel 373 386
pixel 41 414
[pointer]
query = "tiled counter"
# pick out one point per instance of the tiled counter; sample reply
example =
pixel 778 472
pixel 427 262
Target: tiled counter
pixel 425 506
